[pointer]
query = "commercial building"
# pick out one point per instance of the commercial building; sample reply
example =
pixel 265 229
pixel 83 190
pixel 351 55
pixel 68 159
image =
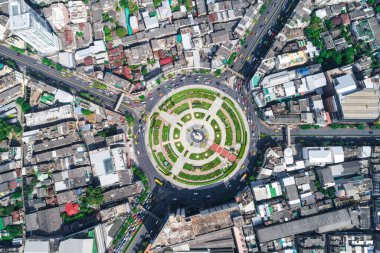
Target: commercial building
pixel 59 15
pixel 320 156
pixel 33 29
pixel 362 105
pixel 322 223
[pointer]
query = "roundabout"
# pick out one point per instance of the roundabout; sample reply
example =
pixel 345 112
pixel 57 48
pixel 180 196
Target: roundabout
pixel 197 136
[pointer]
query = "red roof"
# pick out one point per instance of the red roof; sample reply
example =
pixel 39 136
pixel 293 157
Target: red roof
pixel 71 209
pixel 166 60
pixel 88 60
pixel 345 18
pixel 127 72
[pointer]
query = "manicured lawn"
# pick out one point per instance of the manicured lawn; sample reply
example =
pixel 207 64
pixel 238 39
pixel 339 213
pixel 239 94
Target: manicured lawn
pixel 235 121
pixel 188 167
pixel 212 164
pixel 170 152
pixel 186 118
pixel 228 132
pixel 177 133
pixel 181 108
pixel 165 133
pixel 156 139
pixel 179 146
pixel 203 177
pixel 201 156
pixel 217 132
pixel 186 94
pixel 199 115
pixel 201 104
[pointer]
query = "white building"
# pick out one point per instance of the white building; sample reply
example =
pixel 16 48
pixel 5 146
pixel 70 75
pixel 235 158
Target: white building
pixel 59 16
pixel 320 156
pixel 33 29
pixel 78 12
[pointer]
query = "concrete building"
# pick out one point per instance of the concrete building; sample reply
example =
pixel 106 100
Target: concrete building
pixel 37 246
pixel 76 246
pixel 322 223
pixel 33 29
pixel 362 105
pixel 59 16
pixel 78 12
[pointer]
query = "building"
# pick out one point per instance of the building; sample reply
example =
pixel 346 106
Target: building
pixel 322 223
pixel 367 30
pixel 290 60
pixel 33 29
pixel 362 105
pixel 59 15
pixel 78 12
pixel 36 246
pixel 76 246
pixel 320 156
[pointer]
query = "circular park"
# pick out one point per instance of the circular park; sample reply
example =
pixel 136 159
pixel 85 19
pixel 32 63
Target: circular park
pixel 197 136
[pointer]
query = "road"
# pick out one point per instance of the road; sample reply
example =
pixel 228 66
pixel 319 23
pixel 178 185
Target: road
pixel 272 20
pixel 108 99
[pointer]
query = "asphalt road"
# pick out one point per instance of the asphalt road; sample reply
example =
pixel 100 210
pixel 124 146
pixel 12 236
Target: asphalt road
pixel 108 99
pixel 258 43
pixel 264 22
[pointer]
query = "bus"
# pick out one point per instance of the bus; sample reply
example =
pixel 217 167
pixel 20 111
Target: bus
pixel 243 177
pixel 158 182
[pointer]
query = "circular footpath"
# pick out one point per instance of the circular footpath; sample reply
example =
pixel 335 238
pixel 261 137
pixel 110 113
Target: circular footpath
pixel 197 136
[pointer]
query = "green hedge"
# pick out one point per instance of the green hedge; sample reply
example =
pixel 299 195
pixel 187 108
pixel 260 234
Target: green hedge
pixel 203 177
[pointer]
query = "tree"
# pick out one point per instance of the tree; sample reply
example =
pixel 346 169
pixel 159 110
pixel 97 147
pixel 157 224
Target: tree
pixel 86 112
pixel 371 2
pixel 121 31
pixel 106 30
pixel 94 196
pixel 218 72
pixel 329 24
pixel 123 4
pixel 377 8
pixel 129 118
pixel 5 129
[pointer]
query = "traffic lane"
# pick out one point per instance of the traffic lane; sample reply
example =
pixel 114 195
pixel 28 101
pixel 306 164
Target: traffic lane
pixel 76 83
pixel 259 28
pixel 263 28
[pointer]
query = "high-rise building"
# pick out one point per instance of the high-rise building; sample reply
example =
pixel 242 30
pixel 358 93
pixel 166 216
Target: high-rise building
pixel 32 28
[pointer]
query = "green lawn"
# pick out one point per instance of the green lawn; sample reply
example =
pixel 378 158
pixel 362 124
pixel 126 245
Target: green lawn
pixel 199 115
pixel 156 139
pixel 201 104
pixel 212 164
pixel 181 108
pixel 186 94
pixel 165 133
pixel 179 146
pixel 235 120
pixel 228 132
pixel 201 156
pixel 170 152
pixel 177 133
pixel 186 118
pixel 203 177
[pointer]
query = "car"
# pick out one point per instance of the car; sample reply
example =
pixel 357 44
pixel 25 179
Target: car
pixel 161 94
pixel 240 55
pixel 265 19
pixel 253 33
